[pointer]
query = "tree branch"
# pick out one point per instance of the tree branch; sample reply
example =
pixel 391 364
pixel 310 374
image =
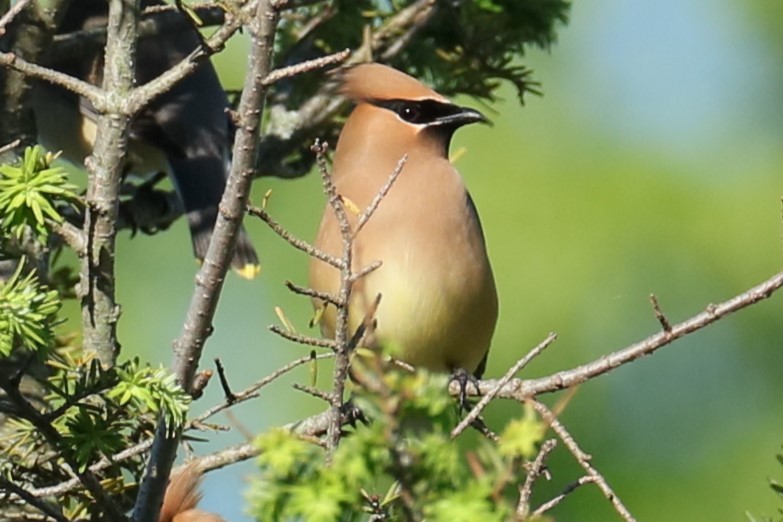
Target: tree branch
pixel 521 389
pixel 516 368
pixel 535 470
pixel 583 459
pixel 210 278
pixel 11 14
pixel 100 311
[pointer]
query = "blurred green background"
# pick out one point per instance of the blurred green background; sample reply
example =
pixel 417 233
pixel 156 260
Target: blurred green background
pixel 652 164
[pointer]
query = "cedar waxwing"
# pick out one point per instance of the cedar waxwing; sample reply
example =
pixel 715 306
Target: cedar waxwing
pixel 439 304
pixel 185 132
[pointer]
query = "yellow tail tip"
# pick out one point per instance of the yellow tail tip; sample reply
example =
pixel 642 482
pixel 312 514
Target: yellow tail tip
pixel 249 271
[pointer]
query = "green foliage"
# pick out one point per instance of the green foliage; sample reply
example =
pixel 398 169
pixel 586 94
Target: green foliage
pixel 777 488
pixel 30 191
pixel 521 436
pixel 88 414
pixel 153 390
pixel 468 47
pixel 28 313
pixel 401 465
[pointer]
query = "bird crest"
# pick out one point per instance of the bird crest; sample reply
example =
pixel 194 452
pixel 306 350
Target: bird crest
pixel 373 81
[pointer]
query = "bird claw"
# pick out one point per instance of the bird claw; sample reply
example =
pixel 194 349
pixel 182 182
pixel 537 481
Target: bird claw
pixel 462 377
pixel 352 414
pixel 147 209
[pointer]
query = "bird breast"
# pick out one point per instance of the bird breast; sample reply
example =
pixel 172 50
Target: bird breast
pixel 438 307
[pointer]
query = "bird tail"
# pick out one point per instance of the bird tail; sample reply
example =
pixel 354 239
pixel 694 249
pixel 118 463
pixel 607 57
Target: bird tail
pixel 182 496
pixel 244 261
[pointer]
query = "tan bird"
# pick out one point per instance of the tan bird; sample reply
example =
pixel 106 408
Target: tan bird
pixel 439 304
pixel 182 497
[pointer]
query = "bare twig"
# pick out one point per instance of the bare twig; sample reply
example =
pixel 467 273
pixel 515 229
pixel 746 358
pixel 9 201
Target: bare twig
pixel 73 236
pixel 521 389
pixel 251 392
pixel 10 146
pixel 227 393
pixel 535 470
pixel 549 504
pixel 665 324
pixel 309 65
pixel 372 267
pixel 341 334
pixel 200 382
pixel 297 243
pixel 142 95
pixel 323 296
pixel 382 192
pixel 8 17
pixel 582 458
pixel 521 363
pixel 314 392
pixel 304 339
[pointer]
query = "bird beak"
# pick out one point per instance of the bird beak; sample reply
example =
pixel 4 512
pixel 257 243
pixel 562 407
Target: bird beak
pixel 461 116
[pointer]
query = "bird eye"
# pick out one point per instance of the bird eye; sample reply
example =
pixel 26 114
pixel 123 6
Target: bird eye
pixel 410 113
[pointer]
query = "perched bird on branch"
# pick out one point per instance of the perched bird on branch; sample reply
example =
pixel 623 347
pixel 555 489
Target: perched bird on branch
pixel 439 304
pixel 182 496
pixel 185 132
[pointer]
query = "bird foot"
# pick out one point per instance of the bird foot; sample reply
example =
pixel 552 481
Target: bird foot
pixel 146 208
pixel 352 414
pixel 462 377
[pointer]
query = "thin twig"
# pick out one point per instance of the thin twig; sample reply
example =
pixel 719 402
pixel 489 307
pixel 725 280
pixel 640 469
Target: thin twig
pixel 10 146
pixel 521 363
pixel 141 96
pixel 520 389
pixel 73 236
pixel 372 267
pixel 295 242
pixel 251 392
pixel 546 506
pixel 535 470
pixel 323 296
pixel 200 382
pixel 582 458
pixel 309 65
pixel 314 392
pixel 665 324
pixel 8 17
pixel 382 192
pixel 303 339
pixel 342 337
pixel 227 393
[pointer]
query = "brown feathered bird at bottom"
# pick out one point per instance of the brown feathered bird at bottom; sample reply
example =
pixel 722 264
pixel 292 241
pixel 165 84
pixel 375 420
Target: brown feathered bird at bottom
pixel 182 496
pixel 439 303
pixel 185 132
